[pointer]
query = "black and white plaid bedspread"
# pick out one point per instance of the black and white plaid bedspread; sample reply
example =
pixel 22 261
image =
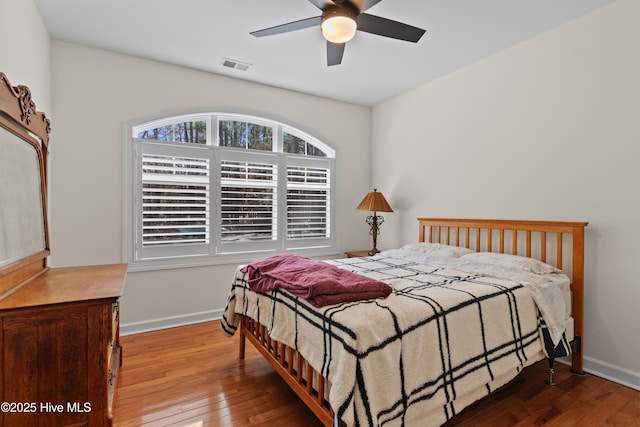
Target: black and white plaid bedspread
pixel 442 340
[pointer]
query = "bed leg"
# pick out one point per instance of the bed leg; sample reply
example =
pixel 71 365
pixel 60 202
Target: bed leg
pixel 243 341
pixel 242 346
pixel 577 362
pixel 551 372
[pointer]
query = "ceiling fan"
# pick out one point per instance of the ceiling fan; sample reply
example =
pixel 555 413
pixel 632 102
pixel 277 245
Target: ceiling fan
pixel 339 21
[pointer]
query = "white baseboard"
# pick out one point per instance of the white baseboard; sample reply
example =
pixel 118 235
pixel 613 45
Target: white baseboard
pixel 608 371
pixel 593 366
pixel 612 372
pixel 169 322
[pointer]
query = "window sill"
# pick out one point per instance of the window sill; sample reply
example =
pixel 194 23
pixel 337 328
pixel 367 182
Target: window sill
pixel 223 259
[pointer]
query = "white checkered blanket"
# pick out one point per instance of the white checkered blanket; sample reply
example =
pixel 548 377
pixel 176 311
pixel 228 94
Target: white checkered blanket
pixel 442 340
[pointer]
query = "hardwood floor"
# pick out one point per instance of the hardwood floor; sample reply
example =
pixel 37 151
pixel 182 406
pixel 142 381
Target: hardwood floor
pixel 191 376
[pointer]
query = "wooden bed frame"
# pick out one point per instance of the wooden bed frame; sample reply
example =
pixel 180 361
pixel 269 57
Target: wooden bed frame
pixel 554 242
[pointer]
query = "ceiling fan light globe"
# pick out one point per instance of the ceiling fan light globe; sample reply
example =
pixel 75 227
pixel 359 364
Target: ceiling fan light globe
pixel 339 29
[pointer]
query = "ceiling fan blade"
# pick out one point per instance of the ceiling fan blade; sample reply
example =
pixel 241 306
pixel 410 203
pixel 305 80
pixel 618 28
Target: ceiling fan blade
pixel 334 53
pixel 291 26
pixel 322 4
pixel 388 28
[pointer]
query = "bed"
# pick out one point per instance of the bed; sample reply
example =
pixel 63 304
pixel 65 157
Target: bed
pixel 474 302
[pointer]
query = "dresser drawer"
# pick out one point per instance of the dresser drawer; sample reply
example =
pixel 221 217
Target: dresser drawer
pixel 114 355
pixel 115 321
pixel 112 377
pixel 113 347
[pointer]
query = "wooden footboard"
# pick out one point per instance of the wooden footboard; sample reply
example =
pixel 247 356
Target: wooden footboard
pixel 308 384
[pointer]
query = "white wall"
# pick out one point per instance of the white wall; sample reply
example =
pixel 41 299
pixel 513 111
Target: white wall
pixel 545 130
pixel 25 55
pixel 95 91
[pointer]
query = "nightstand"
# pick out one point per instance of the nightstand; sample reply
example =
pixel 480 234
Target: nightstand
pixel 357 254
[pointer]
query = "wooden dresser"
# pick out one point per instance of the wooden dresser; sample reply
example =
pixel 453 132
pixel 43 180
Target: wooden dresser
pixel 60 347
pixel 59 327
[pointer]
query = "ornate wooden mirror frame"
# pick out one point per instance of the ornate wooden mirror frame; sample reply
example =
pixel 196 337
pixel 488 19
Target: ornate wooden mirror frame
pixel 24 231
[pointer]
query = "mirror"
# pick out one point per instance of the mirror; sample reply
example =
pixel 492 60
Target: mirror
pixel 24 140
pixel 21 211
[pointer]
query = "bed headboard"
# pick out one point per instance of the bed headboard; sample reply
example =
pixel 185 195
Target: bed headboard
pixel 24 234
pixel 559 243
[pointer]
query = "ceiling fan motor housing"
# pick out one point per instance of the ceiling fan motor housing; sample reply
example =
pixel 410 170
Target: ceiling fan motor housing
pixel 345 9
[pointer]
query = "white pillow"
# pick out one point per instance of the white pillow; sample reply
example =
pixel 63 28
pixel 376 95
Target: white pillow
pixel 438 249
pixel 510 261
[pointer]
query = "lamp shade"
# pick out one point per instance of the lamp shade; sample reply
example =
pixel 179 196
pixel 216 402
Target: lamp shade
pixel 374 202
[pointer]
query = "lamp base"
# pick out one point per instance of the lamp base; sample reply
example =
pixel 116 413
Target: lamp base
pixel 374 222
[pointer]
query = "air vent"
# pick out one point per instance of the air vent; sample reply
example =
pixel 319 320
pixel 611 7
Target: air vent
pixel 236 65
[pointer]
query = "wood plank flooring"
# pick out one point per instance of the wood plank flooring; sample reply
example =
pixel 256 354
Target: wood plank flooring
pixel 191 376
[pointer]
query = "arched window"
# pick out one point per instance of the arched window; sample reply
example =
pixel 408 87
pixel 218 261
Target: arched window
pixel 216 188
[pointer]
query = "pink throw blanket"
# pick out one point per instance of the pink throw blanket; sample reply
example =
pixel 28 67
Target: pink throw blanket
pixel 315 281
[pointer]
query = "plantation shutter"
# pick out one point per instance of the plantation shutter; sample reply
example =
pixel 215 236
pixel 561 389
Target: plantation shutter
pixel 175 210
pixel 248 200
pixel 307 203
pixel 308 198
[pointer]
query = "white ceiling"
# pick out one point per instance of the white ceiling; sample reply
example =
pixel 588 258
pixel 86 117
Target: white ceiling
pixel 200 33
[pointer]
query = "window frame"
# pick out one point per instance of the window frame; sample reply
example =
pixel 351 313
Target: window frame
pixel 219 252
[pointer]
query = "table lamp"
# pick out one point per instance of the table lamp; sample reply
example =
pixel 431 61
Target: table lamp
pixel 374 202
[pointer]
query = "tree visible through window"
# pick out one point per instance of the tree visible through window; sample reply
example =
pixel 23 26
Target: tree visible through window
pixel 208 187
pixel 194 132
pixel 239 134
